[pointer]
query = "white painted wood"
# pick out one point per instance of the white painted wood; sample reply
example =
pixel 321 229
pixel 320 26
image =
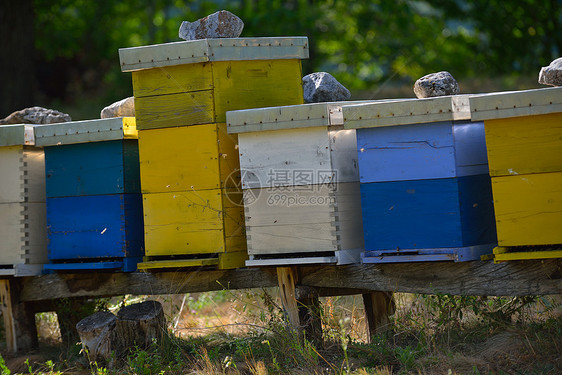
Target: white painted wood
pixel 11 174
pixel 18 134
pixel 343 154
pixel 12 233
pixel 34 176
pixel 291 261
pixel 284 157
pixel 406 112
pixel 286 117
pixel 516 103
pixel 25 270
pixel 471 157
pixel 85 131
pixel 203 50
pixel 293 220
pixel 351 256
pixel 298 157
pixel 35 221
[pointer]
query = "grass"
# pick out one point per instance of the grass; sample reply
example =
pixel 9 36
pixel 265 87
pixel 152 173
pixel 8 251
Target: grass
pixel 244 332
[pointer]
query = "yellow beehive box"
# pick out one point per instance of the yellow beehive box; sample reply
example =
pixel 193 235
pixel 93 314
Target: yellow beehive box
pixel 196 82
pixel 524 142
pixel 197 222
pixel 188 158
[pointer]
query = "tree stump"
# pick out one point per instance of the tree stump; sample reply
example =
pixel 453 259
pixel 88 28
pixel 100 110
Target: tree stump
pixel 138 325
pixel 95 334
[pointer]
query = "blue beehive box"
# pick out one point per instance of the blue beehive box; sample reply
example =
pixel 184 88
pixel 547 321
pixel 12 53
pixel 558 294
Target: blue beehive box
pixel 94 205
pixel 425 188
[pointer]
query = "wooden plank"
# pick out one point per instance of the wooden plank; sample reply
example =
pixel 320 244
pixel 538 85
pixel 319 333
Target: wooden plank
pixel 96 168
pixel 224 49
pixel 99 226
pixel 65 133
pixel 188 157
pixel 191 222
pixel 17 135
pixel 526 144
pixel 343 152
pixel 528 209
pixel 19 318
pixel 406 112
pixel 255 84
pixel 523 278
pixel 297 261
pixel 177 263
pixel 12 232
pixel 454 254
pixel 516 103
pixel 11 170
pixel 181 109
pixel 172 79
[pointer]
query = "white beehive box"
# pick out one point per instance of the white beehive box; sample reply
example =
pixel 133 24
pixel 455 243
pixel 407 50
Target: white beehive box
pixel 23 232
pixel 300 179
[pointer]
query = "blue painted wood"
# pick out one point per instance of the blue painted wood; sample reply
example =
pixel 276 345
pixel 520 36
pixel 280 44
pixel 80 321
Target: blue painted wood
pixel 95 227
pixel 428 214
pixel 421 151
pixel 477 210
pixel 83 266
pixel 94 168
pixel 410 152
pixel 411 214
pixel 461 254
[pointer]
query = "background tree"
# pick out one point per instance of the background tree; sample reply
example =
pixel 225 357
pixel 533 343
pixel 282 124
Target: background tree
pixel 69 60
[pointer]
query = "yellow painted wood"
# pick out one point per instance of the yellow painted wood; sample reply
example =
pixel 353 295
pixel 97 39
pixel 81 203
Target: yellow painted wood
pixel 172 79
pixel 528 209
pixel 130 128
pixel 165 111
pixel 522 145
pixel 155 264
pixel 232 260
pixel 256 84
pixel 192 222
pixel 502 254
pixel 188 158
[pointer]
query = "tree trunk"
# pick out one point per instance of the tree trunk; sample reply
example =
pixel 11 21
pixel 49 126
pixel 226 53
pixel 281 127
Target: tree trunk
pixel 95 334
pixel 17 74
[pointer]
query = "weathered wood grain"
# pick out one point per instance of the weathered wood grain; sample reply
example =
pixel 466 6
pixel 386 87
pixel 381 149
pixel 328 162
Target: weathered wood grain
pixel 517 278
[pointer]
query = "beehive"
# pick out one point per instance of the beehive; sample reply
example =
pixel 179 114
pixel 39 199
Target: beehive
pixel 524 141
pixel 425 188
pixel 300 181
pixel 94 206
pixel 23 233
pixel 189 164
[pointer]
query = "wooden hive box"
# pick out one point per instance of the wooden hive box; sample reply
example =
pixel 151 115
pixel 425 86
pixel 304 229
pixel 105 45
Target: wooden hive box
pixel 524 141
pixel 196 82
pixel 23 230
pixel 94 206
pixel 425 188
pixel 189 164
pixel 300 180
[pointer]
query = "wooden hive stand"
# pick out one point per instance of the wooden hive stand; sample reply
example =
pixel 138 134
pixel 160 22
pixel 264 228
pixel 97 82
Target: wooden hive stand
pixel 301 184
pixel 524 142
pixel 23 233
pixel 94 209
pixel 190 176
pixel 425 188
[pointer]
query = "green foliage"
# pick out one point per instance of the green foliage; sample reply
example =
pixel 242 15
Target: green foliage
pixel 3 368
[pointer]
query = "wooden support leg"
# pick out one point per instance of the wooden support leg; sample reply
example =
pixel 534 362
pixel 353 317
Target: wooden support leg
pixel 301 304
pixel 19 319
pixel 310 313
pixel 378 307
pixel 287 280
